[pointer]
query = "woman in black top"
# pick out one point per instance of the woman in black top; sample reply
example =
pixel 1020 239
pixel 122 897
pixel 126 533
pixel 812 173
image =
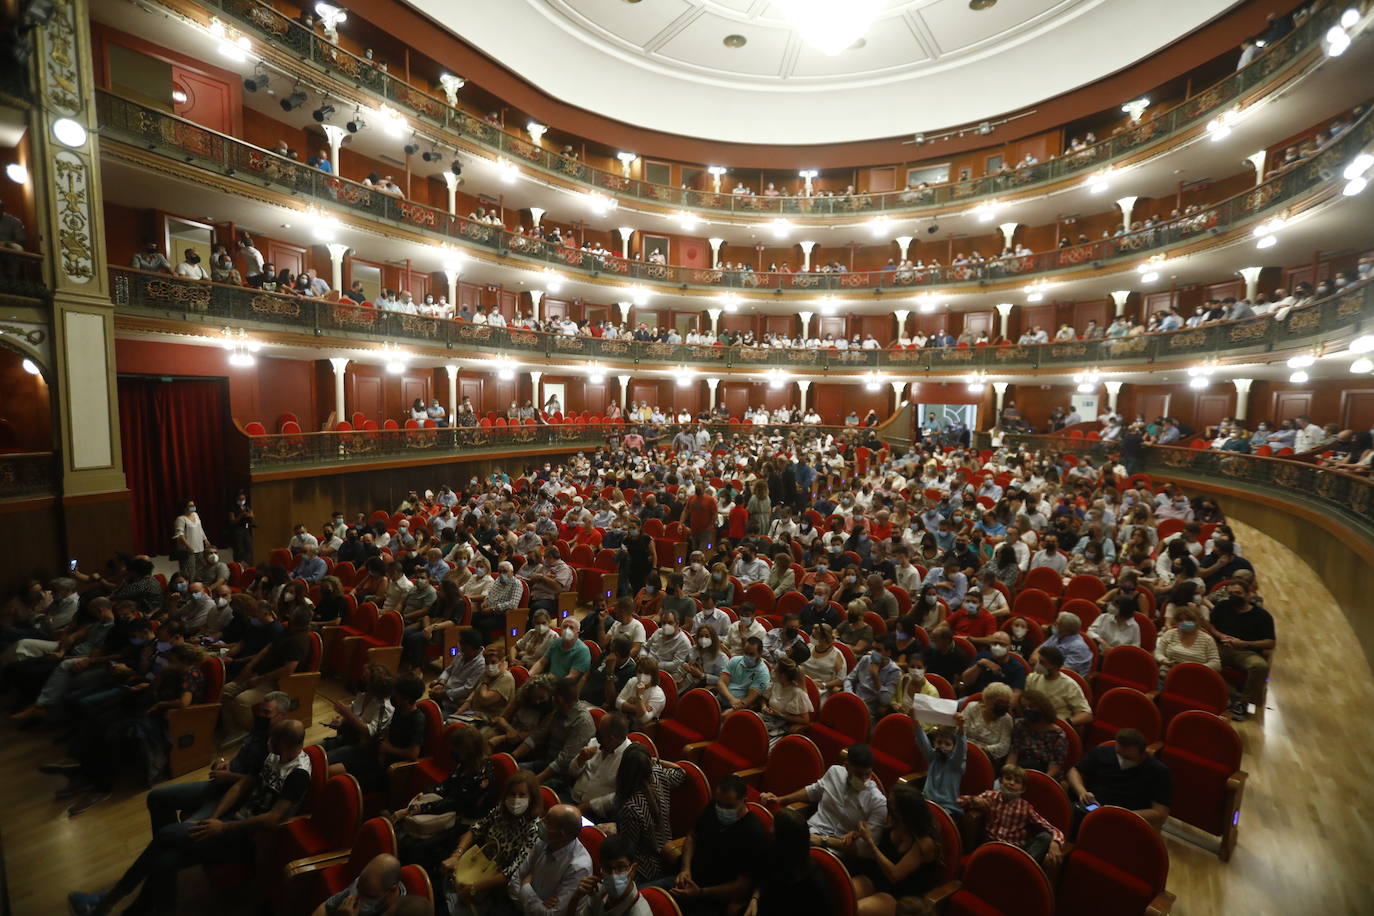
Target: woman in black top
pixel 789 881
pixel 638 558
pixel 332 606
pixel 905 862
pixel 469 793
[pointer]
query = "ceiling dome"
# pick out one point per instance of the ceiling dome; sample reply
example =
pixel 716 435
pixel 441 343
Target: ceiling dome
pixel 740 71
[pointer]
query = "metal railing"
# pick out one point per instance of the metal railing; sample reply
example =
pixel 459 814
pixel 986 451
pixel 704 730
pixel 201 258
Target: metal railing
pixel 1349 496
pixel 21 274
pixel 123 120
pixel 269 24
pixel 27 474
pixel 165 296
pixel 284 451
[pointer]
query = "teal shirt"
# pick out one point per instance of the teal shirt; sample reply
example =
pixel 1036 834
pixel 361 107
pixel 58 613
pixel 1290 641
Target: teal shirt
pixel 743 678
pixel 564 659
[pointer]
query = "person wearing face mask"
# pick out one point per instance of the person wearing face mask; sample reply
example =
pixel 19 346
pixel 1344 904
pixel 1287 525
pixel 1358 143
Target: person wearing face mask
pixel 1125 775
pixel 1037 741
pixel 567 656
pixel 465 671
pixel 1068 639
pixel 555 744
pixel 972 621
pixel 189 541
pixel 1186 641
pixel 506 834
pixel 749 568
pixel 1117 627
pixel 614 893
pixel 845 797
pixel 818 611
pixel 530 647
pixel 821 574
pixel 593 770
pixel 214 571
pixel 720 854
pixel 625 624
pixel 696 578
pixel 375 892
pixel 786 706
pixel 279 659
pixel 492 693
pixel 785 641
pixel 874 678
pixel 1063 691
pixel 555 868
pixel 995 664
pixel 1009 818
pixel 988 722
pixel 744 629
pixel 669 645
pixel 745 679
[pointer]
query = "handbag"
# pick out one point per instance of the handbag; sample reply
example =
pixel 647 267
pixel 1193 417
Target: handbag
pixel 423 826
pixel 474 867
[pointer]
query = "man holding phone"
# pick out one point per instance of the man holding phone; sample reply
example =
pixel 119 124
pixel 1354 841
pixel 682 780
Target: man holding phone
pixel 1124 775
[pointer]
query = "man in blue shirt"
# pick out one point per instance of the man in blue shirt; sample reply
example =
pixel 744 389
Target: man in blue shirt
pixel 310 567
pixel 1078 657
pixel 874 679
pixel 745 678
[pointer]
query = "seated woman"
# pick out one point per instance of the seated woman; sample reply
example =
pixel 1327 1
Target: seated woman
pixel 721 589
pixel 905 862
pixel 643 786
pixel 427 827
pixel 1037 741
pixel 367 715
pixel 706 661
pixel 787 707
pixel 789 880
pixel 531 647
pixel 401 742
pixel 827 665
pixel 1186 642
pixel 988 722
pixel 524 715
pixel 492 694
pixel 1117 626
pixel 505 837
pixel 641 699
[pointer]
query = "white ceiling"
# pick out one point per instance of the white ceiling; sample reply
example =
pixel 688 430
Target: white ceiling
pixel 922 66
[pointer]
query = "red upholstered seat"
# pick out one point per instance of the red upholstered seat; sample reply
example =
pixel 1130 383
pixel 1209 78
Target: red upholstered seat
pixel 741 745
pixel 793 763
pixel 1122 707
pixel 843 721
pixel 1203 753
pixel 1085 586
pixel 1001 880
pixel 307 888
pixel 1045 579
pixel 1034 604
pixel 1118 857
pixel 697 719
pixel 1127 666
pixel 895 753
pixel 1191 686
pixel 838 884
pixel 688 800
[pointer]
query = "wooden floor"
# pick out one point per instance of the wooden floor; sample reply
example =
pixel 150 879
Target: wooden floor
pixel 1307 826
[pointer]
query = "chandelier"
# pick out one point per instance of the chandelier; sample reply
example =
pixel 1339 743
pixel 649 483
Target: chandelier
pixel 830 26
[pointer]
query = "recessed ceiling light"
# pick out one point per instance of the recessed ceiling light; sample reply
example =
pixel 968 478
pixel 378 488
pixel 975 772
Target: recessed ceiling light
pixel 735 41
pixel 858 44
pixel 981 4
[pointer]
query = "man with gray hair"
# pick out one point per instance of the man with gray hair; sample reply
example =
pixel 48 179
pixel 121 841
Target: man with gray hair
pixel 1078 656
pixel 555 867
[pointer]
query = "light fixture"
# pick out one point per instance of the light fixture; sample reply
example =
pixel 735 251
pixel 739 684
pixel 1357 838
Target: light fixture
pixel 716 170
pixel 411 147
pixel 1362 366
pixel 926 303
pixel 240 348
pixel 1036 291
pixel 1266 233
pixel 30 368
pixel 324 227
pixel 1149 276
pixel 17 173
pixel 179 97
pixel 1337 41
pixel 688 221
pixel 600 203
pixel 596 375
pixel 432 155
pixel 454 259
pixel 294 99
pixel 1136 107
pixel 685 376
pixel 781 227
pixel 392 121
pixel 879 226
pixel 873 382
pixel 1298 377
pixel 451 83
pixel 323 113
pixel 1268 241
pixel 1089 376
pixel 1349 18
pixel 776 378
pixel 1100 182
pixel 808 174
pixel 536 131
pixel 235 47
pixel 626 160
pixel 1302 361
pixel 456 167
pixel 729 302
pixel 1362 344
pixel 505 370
pixel 1085 388
pixel 977 382
pixel 331 17
pixel 552 281
pixel 1220 127
pixel 827 26
pixel 509 170
pixel 639 295
pixel 259 80
pixel 1198 382
pixel 69 132
pixel 828 306
pixel 985 213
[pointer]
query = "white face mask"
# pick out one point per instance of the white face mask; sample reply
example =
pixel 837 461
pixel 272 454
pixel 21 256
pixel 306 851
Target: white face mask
pixel 221 602
pixel 704 642
pixel 493 669
pixel 517 806
pixel 644 680
pixel 1126 764
pixel 569 634
pixel 669 629
pixel 998 650
pixel 541 628
pixel 1018 632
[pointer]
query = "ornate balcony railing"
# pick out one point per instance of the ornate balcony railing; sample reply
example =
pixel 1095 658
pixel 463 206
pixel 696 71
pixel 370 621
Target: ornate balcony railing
pixel 164 296
pixel 323 449
pixel 275 27
pixel 27 474
pixel 1349 497
pixel 175 138
pixel 21 274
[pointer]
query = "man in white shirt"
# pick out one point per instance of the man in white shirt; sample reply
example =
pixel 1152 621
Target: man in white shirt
pixel 749 568
pixel 252 258
pixel 595 768
pixel 554 868
pixel 845 796
pixel 1050 555
pixel 190 267
pixel 669 645
pixel 301 539
pixel 1309 436
pixel 398 587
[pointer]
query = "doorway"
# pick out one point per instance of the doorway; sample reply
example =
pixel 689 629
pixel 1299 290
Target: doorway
pixel 183 234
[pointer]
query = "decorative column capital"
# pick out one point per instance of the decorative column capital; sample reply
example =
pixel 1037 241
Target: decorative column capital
pixel 1242 385
pixel 1004 309
pixel 712 383
pixel 1000 387
pixel 452 370
pixel 804 384
pixel 339 363
pixel 1113 388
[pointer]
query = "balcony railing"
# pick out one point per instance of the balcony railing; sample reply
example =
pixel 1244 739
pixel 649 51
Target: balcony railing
pixel 27 474
pixel 165 296
pixel 21 274
pixel 323 449
pixel 175 138
pixel 1348 496
pixel 269 24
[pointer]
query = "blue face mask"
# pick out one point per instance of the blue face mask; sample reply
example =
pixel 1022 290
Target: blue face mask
pixel 138 640
pixel 257 622
pixel 750 662
pixel 616 883
pixel 727 816
pixel 163 646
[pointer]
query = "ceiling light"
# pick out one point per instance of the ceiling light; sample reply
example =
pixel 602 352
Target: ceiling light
pixel 926 304
pixel 827 26
pixel 1358 166
pixel 509 170
pixel 685 377
pixel 730 302
pixel 1301 362
pixel 1362 366
pixel 241 360
pixel 985 213
pixel 456 167
pixel 356 124
pixel 596 375
pixel 1198 382
pixel 807 174
pixel 1298 377
pixel 878 226
pixel 1336 41
pixel 600 203
pixel 1136 107
pixel 536 131
pixel 1149 276
pixel 1268 241
pixel 1355 186
pixel 331 17
pixel 325 228
pixel 16 173
pixel 30 368
pixel 828 305
pixel 69 132
pixel 393 122
pixel 873 382
pixel 781 227
pixel 552 281
pixel 179 97
pixel 776 378
pixel 1349 18
pixel 1098 184
pixel 323 113
pixel 1362 344
pixel 734 41
pixel 431 155
pixel 688 221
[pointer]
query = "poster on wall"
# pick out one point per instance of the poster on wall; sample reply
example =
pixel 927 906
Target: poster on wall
pixel 1087 405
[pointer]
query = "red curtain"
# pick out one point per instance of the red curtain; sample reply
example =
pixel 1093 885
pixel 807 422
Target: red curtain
pixel 174 436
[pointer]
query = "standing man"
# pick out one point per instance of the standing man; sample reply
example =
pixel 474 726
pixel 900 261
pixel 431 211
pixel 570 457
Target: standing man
pixel 241 527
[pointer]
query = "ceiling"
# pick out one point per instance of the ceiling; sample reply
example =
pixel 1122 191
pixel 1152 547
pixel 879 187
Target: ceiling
pixel 922 65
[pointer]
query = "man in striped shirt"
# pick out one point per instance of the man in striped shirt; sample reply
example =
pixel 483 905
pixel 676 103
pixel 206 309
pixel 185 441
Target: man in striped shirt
pixel 1009 818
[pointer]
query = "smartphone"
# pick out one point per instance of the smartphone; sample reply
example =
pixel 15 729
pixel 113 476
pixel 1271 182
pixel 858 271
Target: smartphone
pixel 1091 807
pixel 71 565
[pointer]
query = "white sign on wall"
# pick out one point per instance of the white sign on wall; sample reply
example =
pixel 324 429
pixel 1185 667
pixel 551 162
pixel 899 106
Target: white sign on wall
pixel 1086 404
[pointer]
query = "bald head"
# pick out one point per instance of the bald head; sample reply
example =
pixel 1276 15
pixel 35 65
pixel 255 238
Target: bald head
pixel 287 738
pixel 380 877
pixel 561 825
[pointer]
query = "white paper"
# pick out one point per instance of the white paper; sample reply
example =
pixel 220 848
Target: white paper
pixel 933 710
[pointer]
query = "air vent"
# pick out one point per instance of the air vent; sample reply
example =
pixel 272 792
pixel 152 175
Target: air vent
pixel 981 4
pixel 735 41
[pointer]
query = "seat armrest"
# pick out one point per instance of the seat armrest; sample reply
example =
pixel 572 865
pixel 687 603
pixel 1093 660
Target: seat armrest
pixel 316 863
pixel 1161 905
pixel 693 751
pixel 750 775
pixel 939 895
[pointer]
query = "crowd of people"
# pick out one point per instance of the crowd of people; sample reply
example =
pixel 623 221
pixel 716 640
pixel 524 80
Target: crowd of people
pixel 904 562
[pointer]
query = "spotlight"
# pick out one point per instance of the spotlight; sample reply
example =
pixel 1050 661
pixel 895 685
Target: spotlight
pixel 356 124
pixel 1298 378
pixel 258 80
pixel 432 155
pixel 456 168
pixel 1362 366
pixel 933 228
pixel 323 113
pixel 295 100
pixel 411 147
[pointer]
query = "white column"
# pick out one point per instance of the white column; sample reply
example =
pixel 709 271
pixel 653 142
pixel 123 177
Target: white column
pixel 1008 231
pixel 535 376
pixel 451 183
pixel 451 276
pixel 900 315
pixel 805 323
pixel 806 176
pixel 1251 275
pixel 335 135
pixel 803 385
pixel 339 363
pixel 1113 390
pixel 715 251
pixel 624 312
pixel 536 295
pixel 716 171
pixel 898 389
pixel 536 214
pixel 452 370
pixel 714 315
pixel 1257 160
pixel 625 233
pixel 1242 397
pixel 711 385
pixel 1119 296
pixel 1126 204
pixel 806 254
pixel 336 256
pixel 1000 389
pixel 624 381
pixel 904 243
pixel 1004 310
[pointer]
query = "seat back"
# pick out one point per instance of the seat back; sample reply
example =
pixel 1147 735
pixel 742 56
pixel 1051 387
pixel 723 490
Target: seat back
pixel 741 745
pixel 1034 604
pixel 319 774
pixel 339 811
pixel 389 628
pixel 415 879
pixel 793 763
pixel 838 884
pixel 1045 579
pixel 1001 878
pixel 1190 685
pixel 1128 666
pixel 978 772
pixel 591 839
pixel 847 714
pixel 1086 611
pixel 697 712
pixel 1085 586
pixel 894 738
pixel 1203 752
pixel 1122 707
pixel 1119 857
pixel 661 903
pixel 376 837
pixel 951 846
pixel 1048 798
pixel 213 671
pixel 688 799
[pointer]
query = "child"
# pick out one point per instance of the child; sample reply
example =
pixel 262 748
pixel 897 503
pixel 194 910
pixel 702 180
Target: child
pixel 615 892
pixel 946 752
pixel 1009 818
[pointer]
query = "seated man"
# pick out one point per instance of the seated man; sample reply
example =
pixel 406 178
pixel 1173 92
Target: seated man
pixel 566 656
pixel 1063 691
pixel 253 803
pixel 669 645
pixel 456 683
pixel 1244 632
pixel 369 761
pixel 786 641
pixel 874 679
pixel 265 671
pixel 995 664
pixel 1123 774
pixel 550 751
pixel 596 765
pixel 375 892
pixel 745 679
pixel 616 893
pixel 554 869
pixel 504 595
pixel 1077 654
pixel 844 797
pixel 721 854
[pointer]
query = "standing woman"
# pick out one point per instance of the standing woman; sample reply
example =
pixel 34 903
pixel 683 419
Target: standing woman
pixel 189 541
pixel 759 507
pixel 639 557
pixel 241 527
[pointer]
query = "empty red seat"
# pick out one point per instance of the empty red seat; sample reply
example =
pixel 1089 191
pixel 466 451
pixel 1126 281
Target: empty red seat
pixel 843 720
pixel 1035 605
pixel 1122 707
pixel 839 886
pixel 1203 754
pixel 1085 586
pixel 697 720
pixel 741 745
pixel 1192 686
pixel 1127 666
pixel 793 763
pixel 1046 579
pixel 895 754
pixel 1001 880
pixel 1118 857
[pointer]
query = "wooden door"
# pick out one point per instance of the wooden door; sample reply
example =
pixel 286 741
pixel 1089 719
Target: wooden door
pixel 1155 404
pixel 209 101
pixel 979 322
pixel 1211 409
pixel 830 325
pixel 283 255
pixel 367 397
pixel 1289 405
pixel 736 399
pixel 412 388
pixel 1357 409
pixel 471 388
